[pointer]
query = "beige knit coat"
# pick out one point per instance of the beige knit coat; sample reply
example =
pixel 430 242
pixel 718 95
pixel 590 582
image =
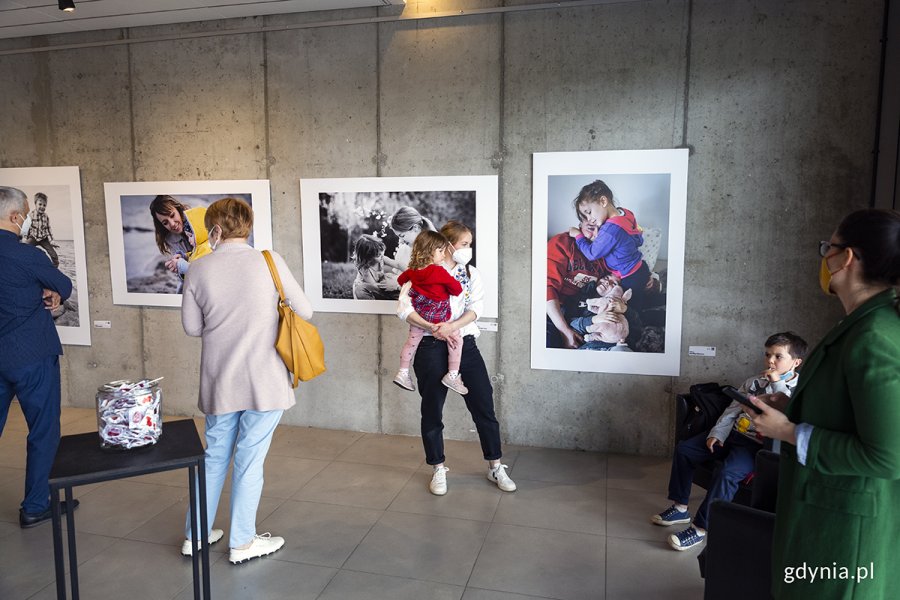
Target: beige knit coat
pixel 230 301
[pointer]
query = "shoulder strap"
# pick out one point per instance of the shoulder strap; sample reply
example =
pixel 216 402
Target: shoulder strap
pixel 274 272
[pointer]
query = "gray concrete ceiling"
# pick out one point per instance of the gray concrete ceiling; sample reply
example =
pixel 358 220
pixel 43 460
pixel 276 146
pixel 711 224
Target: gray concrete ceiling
pixel 20 18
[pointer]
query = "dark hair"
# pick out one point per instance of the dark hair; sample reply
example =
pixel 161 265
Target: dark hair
pixel 40 196
pixel 592 192
pixel 795 344
pixel 366 250
pixel 165 205
pixel 874 236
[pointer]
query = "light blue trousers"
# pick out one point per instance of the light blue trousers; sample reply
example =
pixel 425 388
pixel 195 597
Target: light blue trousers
pixel 247 435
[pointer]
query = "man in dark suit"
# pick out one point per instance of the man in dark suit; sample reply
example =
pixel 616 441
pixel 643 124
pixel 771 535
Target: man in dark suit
pixel 29 350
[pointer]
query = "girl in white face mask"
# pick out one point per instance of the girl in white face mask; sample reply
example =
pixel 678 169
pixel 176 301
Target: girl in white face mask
pixel 430 364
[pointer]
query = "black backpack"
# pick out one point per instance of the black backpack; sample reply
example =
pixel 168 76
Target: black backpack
pixel 705 404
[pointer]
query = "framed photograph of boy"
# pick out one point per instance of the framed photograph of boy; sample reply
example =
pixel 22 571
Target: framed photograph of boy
pixel 156 230
pixel 55 225
pixel 358 234
pixel 608 261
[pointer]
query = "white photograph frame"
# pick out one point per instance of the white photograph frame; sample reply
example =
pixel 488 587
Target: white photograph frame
pixel 628 169
pixel 368 190
pixel 125 194
pixel 67 219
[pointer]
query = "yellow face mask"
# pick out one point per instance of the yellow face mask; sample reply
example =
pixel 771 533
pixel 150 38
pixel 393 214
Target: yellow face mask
pixel 825 275
pixel 825 278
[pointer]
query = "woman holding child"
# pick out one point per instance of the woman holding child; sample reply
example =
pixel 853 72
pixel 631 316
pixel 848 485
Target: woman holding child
pixel 431 362
pixel 839 479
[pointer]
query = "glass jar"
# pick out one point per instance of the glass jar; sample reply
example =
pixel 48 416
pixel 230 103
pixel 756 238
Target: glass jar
pixel 129 415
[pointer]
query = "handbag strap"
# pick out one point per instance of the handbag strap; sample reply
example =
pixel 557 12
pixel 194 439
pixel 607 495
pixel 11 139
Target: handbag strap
pixel 274 272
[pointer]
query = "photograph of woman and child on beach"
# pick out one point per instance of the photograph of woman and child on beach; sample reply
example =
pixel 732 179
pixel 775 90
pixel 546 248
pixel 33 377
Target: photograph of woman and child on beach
pixel 358 234
pixel 156 230
pixel 55 226
pixel 608 261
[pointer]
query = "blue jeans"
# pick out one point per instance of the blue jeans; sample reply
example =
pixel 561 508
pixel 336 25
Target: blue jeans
pixel 247 435
pixel 430 365
pixel 738 453
pixel 37 387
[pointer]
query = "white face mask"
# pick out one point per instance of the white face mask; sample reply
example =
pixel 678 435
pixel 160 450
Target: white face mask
pixel 26 225
pixel 462 256
pixel 218 241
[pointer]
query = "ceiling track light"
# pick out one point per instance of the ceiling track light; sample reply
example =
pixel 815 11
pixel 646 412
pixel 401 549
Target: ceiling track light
pixel 67 5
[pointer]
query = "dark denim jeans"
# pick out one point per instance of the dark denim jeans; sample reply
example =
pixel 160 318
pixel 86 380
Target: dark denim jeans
pixel 430 366
pixel 738 454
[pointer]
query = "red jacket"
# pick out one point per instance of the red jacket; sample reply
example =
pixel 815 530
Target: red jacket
pixel 433 281
pixel 568 271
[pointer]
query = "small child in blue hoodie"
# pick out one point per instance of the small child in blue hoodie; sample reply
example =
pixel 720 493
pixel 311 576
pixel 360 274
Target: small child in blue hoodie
pixel 617 242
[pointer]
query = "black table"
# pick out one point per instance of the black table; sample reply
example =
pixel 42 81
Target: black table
pixel 80 460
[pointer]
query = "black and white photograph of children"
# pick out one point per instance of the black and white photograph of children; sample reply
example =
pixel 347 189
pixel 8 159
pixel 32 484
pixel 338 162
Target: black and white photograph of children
pixel 604 258
pixel 357 241
pixel 54 225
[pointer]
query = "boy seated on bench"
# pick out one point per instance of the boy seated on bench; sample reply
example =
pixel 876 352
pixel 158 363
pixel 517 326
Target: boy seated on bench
pixel 732 439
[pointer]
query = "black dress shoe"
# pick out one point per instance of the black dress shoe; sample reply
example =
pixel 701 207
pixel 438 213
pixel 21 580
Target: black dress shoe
pixel 26 520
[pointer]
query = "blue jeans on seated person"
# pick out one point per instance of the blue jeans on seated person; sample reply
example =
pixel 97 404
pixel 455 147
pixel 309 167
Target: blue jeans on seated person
pixel 247 434
pixel 738 453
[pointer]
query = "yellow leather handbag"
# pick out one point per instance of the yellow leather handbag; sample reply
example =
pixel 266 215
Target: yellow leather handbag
pixel 298 341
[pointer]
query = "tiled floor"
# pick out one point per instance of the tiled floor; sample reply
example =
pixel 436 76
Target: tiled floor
pixel 360 524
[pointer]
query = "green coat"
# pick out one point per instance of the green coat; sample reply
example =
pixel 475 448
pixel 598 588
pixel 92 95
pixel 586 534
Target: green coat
pixel 842 509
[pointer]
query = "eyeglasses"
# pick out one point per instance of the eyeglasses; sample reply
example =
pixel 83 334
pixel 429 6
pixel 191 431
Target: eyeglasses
pixel 824 247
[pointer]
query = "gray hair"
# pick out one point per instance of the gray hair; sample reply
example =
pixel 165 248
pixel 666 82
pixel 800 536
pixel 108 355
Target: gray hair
pixel 12 200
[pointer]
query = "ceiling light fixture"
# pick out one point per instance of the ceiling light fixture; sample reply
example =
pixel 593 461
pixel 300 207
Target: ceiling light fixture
pixel 67 5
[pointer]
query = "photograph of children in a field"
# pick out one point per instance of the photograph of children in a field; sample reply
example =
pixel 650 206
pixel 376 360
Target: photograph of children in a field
pixel 157 231
pixel 608 260
pixel 55 226
pixel 367 236
pixel 358 234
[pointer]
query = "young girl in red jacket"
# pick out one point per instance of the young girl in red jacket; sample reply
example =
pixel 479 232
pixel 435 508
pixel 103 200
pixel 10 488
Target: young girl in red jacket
pixel 430 291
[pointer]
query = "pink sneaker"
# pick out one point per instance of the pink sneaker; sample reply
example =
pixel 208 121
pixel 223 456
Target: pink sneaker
pixel 455 384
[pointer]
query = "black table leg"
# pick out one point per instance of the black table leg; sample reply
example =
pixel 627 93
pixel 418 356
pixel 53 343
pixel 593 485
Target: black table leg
pixel 70 527
pixel 57 544
pixel 204 525
pixel 195 559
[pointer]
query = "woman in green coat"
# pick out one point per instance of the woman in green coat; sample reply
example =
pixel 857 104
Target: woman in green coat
pixel 837 522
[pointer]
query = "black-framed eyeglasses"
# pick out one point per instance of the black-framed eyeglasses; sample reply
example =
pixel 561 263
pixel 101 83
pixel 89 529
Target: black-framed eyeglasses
pixel 825 246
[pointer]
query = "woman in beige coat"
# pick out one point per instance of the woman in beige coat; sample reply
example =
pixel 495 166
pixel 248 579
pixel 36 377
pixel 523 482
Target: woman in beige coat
pixel 230 302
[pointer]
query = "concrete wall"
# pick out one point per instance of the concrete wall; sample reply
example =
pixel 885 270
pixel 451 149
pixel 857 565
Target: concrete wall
pixel 776 100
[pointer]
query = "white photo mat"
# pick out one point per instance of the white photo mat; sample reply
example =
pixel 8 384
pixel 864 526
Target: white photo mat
pixel 368 204
pixel 127 208
pixel 652 183
pixel 62 186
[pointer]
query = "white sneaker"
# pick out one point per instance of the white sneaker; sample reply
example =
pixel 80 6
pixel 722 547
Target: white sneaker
pixel 214 536
pixel 455 384
pixel 498 475
pixel 438 485
pixel 262 545
pixel 405 381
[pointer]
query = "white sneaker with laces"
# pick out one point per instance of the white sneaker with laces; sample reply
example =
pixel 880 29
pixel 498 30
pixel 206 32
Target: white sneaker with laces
pixel 405 381
pixel 498 475
pixel 438 485
pixel 214 536
pixel 262 545
pixel 455 383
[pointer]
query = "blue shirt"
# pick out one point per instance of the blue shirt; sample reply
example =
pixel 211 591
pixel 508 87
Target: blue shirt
pixel 616 246
pixel 27 332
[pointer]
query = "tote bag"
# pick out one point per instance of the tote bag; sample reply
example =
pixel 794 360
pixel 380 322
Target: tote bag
pixel 298 342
